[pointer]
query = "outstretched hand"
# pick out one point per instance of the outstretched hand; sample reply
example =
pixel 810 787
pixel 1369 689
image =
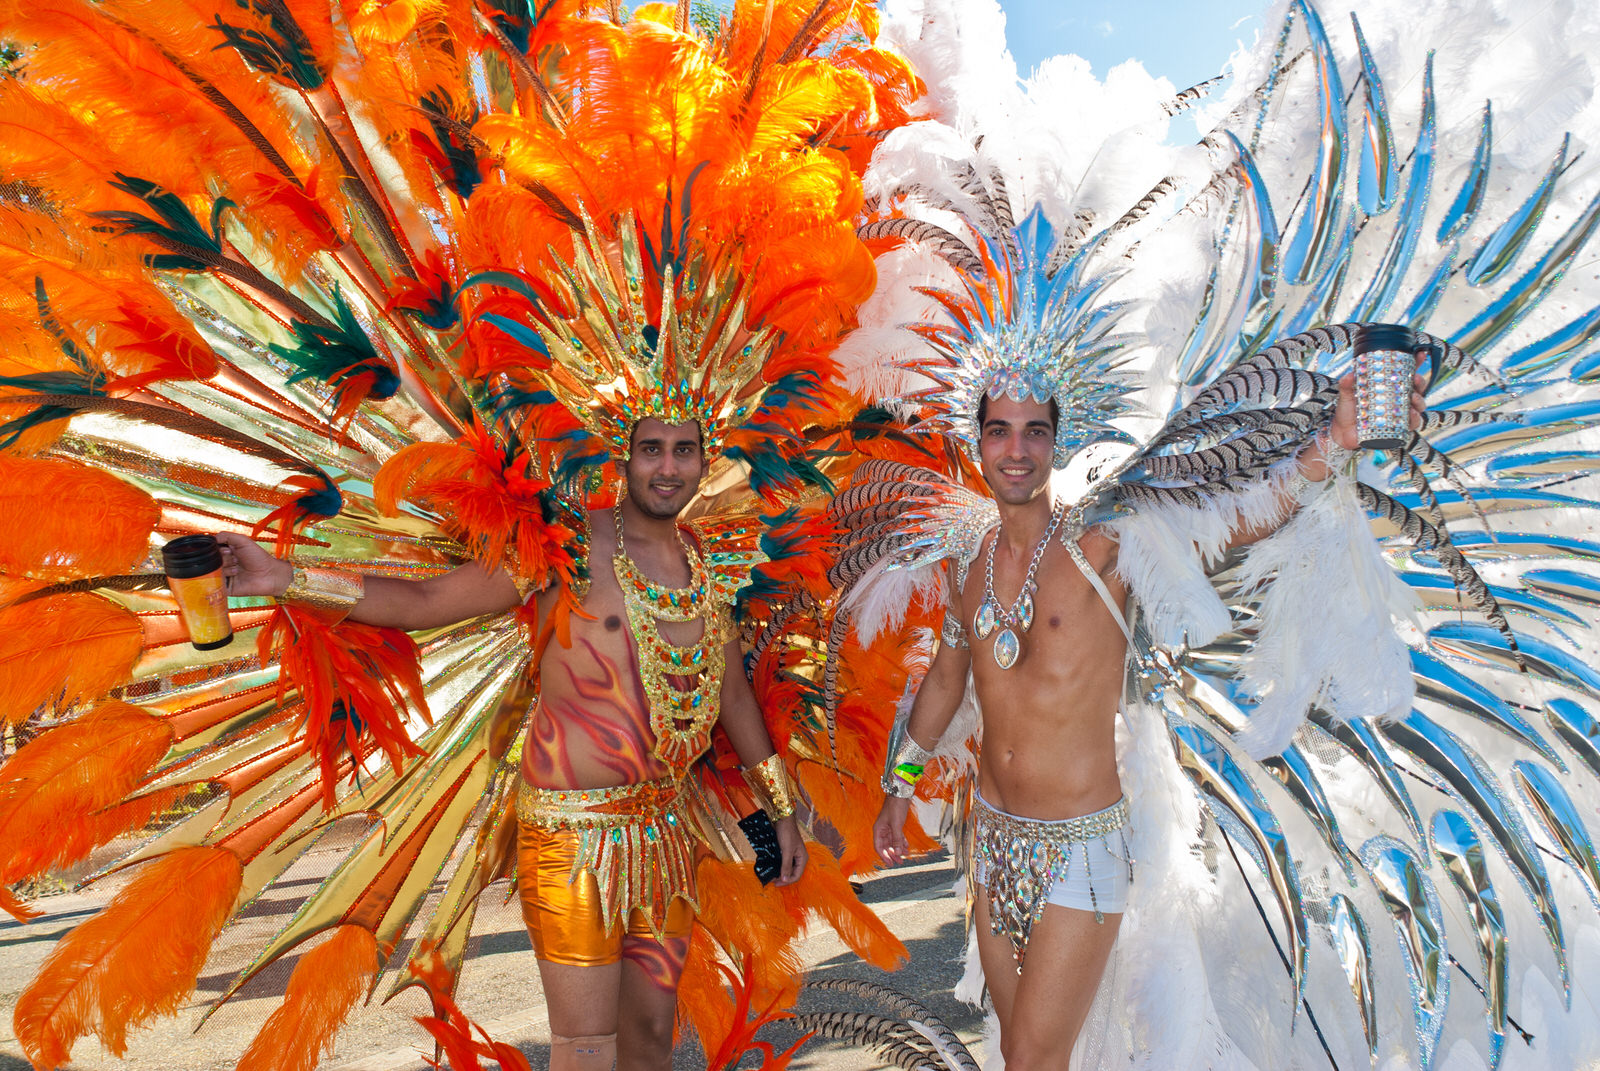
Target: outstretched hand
pixel 250 570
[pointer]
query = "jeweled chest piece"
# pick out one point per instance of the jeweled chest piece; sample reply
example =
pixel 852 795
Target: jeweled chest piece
pixel 1018 619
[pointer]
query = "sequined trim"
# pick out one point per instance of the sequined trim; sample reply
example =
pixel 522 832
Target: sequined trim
pixel 1024 858
pixel 635 840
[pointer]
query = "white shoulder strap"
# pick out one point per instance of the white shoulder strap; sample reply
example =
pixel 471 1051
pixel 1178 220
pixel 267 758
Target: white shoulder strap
pixel 1093 576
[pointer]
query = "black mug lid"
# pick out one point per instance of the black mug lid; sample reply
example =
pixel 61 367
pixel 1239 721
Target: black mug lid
pixel 191 555
pixel 1371 337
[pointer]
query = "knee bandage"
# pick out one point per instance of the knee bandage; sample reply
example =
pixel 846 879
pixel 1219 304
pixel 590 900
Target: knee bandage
pixel 595 1052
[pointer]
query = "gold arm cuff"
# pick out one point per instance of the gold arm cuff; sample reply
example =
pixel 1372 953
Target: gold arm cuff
pixel 769 780
pixel 325 589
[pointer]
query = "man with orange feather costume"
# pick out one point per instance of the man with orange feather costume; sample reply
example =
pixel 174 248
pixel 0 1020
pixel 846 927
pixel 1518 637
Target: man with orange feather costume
pixel 403 288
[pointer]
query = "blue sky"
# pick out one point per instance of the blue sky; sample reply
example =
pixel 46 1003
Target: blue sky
pixel 1186 41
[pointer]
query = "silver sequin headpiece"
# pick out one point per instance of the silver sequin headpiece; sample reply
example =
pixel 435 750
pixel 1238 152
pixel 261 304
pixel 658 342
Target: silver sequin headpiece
pixel 1025 328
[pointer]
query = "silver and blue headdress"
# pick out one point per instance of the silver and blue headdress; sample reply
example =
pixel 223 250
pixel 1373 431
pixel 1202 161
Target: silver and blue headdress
pixel 1026 324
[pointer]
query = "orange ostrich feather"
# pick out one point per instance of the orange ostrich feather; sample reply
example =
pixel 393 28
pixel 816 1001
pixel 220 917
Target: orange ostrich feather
pixel 356 681
pixel 100 302
pixel 61 795
pixel 135 960
pixel 60 520
pixel 488 500
pixel 325 986
pixel 451 1029
pixel 63 650
pixel 824 890
pixel 742 1038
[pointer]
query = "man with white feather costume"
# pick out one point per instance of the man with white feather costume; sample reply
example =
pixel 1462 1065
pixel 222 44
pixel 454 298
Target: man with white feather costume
pixel 1214 965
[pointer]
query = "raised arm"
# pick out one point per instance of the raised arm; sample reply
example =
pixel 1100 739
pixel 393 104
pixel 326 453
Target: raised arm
pixel 747 732
pixel 1313 461
pixel 932 709
pixel 464 593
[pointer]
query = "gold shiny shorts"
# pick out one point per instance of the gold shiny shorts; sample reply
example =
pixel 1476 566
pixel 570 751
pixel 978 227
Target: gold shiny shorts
pixel 595 864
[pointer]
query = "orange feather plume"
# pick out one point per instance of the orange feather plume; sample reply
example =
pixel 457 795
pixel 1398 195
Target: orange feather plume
pixel 137 959
pixel 823 890
pixel 63 650
pixel 356 681
pixel 490 502
pixel 451 1029
pixel 325 985
pixel 737 910
pixel 60 520
pixel 742 1038
pixel 100 302
pixel 61 795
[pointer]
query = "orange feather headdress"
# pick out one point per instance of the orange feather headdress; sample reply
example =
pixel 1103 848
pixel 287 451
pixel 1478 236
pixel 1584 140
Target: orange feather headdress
pixel 684 243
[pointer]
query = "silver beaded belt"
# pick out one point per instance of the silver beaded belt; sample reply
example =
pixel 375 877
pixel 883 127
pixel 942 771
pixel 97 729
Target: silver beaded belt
pixel 1024 859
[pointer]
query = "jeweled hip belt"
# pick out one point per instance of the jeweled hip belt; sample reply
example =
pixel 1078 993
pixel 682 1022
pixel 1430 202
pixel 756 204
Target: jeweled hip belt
pixel 1057 831
pixel 635 839
pixel 1024 859
pixel 578 808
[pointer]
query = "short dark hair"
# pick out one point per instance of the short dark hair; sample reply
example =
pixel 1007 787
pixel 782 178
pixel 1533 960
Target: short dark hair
pixel 983 412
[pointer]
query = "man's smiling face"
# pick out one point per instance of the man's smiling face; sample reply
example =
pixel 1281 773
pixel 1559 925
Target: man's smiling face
pixel 1016 444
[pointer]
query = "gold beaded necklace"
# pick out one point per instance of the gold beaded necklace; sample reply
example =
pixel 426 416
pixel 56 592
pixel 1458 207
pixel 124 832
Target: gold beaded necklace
pixel 680 717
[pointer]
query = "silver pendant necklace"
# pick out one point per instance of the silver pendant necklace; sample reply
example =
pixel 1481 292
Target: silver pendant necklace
pixel 1019 618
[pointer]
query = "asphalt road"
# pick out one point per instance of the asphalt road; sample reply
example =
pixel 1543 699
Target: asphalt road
pixel 500 988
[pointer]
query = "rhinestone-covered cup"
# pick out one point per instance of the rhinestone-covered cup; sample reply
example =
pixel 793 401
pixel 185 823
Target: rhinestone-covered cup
pixel 1386 361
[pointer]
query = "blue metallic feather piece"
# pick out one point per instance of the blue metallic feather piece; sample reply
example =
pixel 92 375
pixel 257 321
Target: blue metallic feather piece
pixel 1459 848
pixel 1397 258
pixel 1456 769
pixel 1413 907
pixel 1421 309
pixel 1471 441
pixel 1577 729
pixel 1294 771
pixel 1554 347
pixel 1550 804
pixel 1497 501
pixel 1464 209
pixel 1217 699
pixel 1228 791
pixel 1501 249
pixel 1263 270
pixel 1311 241
pixel 1348 935
pixel 1198 364
pixel 1482 332
pixel 1440 592
pixel 1580 588
pixel 1473 640
pixel 1318 304
pixel 1443 683
pixel 1378 183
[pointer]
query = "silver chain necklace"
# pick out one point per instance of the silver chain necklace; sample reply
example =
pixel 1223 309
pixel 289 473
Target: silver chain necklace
pixel 1019 618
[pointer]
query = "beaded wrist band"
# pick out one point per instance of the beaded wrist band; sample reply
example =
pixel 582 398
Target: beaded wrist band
pixel 907 767
pixel 324 589
pixel 769 780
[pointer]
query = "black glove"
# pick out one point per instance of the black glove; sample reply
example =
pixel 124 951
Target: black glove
pixel 763 838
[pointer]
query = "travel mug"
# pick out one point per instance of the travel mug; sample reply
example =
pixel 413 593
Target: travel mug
pixel 1386 361
pixel 194 574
